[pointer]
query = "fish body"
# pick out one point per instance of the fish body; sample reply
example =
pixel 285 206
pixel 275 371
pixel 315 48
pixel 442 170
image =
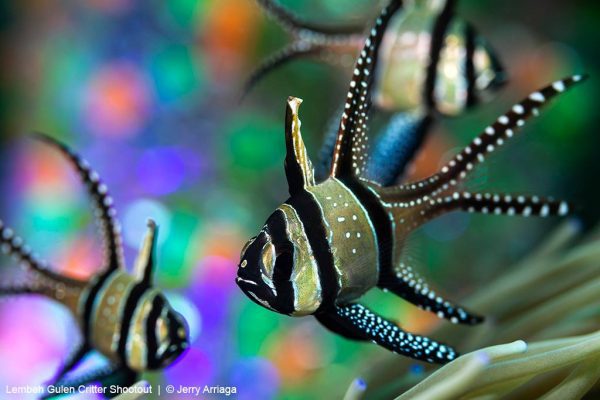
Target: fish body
pixel 333 240
pixel 122 316
pixel 432 62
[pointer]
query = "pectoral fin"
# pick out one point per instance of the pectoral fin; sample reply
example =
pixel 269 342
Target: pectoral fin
pixel 358 322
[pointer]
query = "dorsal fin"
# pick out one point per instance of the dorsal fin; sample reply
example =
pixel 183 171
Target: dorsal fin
pixel 351 149
pixel 298 168
pixel 144 263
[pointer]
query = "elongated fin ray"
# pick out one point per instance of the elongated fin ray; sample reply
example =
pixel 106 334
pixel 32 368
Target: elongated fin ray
pixel 365 324
pixel 294 25
pixel 13 245
pixel 351 149
pixel 296 50
pixel 492 137
pixel 18 290
pixel 144 264
pixel 105 212
pixel 298 168
pixel 411 287
pixel 489 203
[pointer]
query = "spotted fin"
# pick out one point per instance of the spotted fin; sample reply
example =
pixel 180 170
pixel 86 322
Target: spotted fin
pixel 493 203
pixel 361 323
pixel 298 168
pixel 405 283
pixel 482 146
pixel 144 264
pixel 351 150
pixel 105 213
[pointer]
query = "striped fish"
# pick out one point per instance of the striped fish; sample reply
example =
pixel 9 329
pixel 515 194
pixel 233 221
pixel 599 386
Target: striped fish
pixel 431 62
pixel 333 241
pixel 122 316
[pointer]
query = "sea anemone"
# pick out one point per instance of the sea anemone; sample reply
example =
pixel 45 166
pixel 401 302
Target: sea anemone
pixel 541 338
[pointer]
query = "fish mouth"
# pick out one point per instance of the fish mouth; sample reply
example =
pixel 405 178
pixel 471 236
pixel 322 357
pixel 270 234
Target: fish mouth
pixel 250 289
pixel 241 281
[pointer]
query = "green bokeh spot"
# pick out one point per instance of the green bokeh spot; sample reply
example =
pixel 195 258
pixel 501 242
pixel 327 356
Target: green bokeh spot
pixel 255 143
pixel 51 216
pixel 175 267
pixel 255 325
pixel 183 12
pixel 176 73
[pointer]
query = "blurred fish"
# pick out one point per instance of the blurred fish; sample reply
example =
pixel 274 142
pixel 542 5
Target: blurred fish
pixel 431 62
pixel 333 241
pixel 124 317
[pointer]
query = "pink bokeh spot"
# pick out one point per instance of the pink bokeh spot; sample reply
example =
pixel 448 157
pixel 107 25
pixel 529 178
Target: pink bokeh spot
pixel 117 101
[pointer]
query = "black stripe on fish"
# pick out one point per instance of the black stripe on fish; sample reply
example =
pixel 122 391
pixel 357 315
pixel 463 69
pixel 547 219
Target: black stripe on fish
pixel 91 298
pixel 158 305
pixel 379 219
pixel 311 216
pixel 437 42
pixel 284 262
pixel 469 66
pixel 126 319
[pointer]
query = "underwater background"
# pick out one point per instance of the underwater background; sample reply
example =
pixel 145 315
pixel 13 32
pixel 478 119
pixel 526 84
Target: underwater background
pixel 148 92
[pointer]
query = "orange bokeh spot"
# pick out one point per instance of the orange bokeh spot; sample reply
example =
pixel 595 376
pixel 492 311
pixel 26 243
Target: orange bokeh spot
pixel 296 355
pixel 44 172
pixel 429 159
pixel 229 36
pixel 118 101
pixel 81 259
pixel 223 241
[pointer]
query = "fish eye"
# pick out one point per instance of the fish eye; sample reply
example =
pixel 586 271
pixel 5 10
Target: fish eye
pixel 248 243
pixel 268 258
pixel 162 330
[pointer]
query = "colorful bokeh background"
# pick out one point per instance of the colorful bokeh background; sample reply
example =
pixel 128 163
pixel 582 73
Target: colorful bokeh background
pixel 148 92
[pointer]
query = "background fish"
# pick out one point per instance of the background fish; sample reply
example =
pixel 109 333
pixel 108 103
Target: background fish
pixel 432 62
pixel 122 316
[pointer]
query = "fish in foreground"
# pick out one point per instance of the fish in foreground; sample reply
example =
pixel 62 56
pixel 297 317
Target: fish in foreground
pixel 331 242
pixel 441 63
pixel 122 316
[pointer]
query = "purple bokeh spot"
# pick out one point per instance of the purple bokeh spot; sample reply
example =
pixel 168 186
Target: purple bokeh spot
pixel 194 368
pixel 213 285
pixel 164 170
pixel 161 171
pixel 255 378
